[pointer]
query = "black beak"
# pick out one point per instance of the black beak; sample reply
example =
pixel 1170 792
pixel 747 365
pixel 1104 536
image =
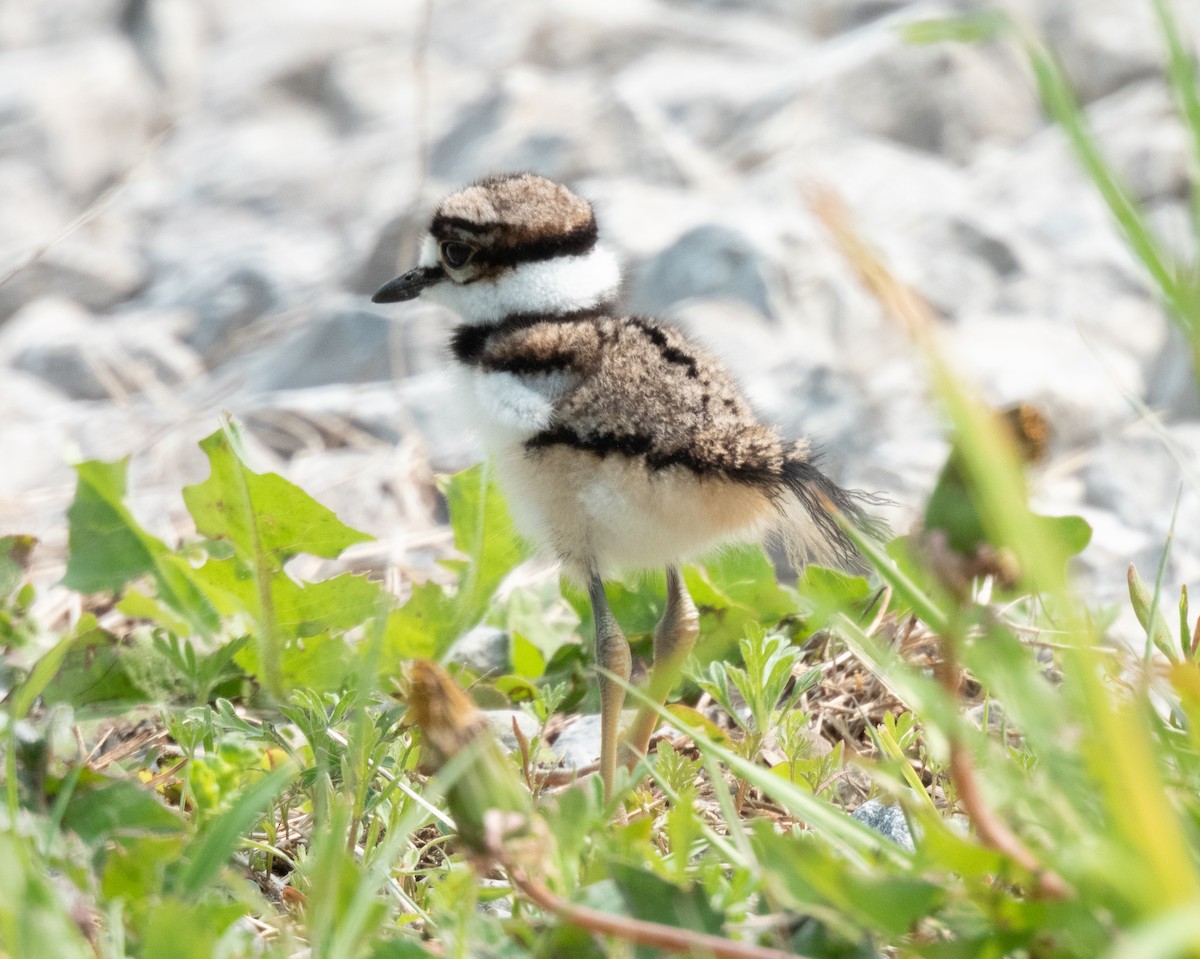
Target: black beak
pixel 408 286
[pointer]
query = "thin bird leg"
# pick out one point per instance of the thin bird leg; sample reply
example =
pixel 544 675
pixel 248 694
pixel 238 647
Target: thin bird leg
pixel 674 638
pixel 612 653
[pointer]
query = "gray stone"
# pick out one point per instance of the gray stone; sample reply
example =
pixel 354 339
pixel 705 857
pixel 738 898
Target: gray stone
pixel 31 23
pixel 831 17
pixel 226 297
pixel 886 819
pixel 45 252
pixel 500 722
pixel 1140 133
pixel 945 99
pixel 500 907
pixel 83 110
pixel 170 37
pixel 1171 378
pixel 483 650
pixel 579 744
pixel 707 261
pixel 1070 380
pixel 60 342
pixel 342 346
pixel 1101 44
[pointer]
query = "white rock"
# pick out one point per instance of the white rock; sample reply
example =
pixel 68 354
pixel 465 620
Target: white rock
pixel 946 99
pixel 32 23
pixel 1014 359
pixel 60 342
pixel 84 110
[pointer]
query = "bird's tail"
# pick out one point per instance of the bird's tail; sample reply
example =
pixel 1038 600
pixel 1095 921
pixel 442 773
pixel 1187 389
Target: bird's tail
pixel 810 504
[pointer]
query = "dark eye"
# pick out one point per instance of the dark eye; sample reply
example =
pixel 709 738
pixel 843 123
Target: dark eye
pixel 455 254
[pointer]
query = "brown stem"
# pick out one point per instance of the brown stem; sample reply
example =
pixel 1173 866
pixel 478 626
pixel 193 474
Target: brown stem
pixel 992 830
pixel 639 931
pixel 563 777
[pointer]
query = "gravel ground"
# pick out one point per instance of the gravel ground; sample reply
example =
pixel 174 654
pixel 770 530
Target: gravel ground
pixel 200 195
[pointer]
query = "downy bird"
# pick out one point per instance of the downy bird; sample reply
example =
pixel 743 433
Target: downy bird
pixel 619 443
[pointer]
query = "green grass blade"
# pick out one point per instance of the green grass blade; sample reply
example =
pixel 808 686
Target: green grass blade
pixel 1176 933
pixel 859 841
pixel 212 848
pixel 1063 108
pixel 1181 73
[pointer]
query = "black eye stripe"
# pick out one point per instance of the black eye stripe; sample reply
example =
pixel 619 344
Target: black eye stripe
pixel 499 250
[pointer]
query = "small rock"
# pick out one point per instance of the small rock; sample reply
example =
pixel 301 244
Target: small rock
pixel 396 248
pixel 499 907
pixel 83 110
pixel 1101 44
pixel 341 346
pixel 98 264
pixel 827 18
pixel 227 296
pixel 31 23
pixel 579 744
pixel 1140 133
pixel 171 38
pixel 887 820
pixel 1171 378
pixel 946 99
pixel 500 721
pixel 60 342
pixel 708 261
pixel 1022 359
pixel 484 650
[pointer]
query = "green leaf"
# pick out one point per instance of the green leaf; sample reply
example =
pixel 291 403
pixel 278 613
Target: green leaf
pixel 33 921
pixel 1150 618
pixel 733 589
pixel 176 929
pixel 107 546
pixel 100 810
pixel 484 531
pixel 827 592
pixel 209 852
pixel 745 577
pixel 968 28
pixel 1071 533
pixel 423 627
pixel 540 623
pixel 134 869
pixel 650 898
pixel 267 519
pixel 138 605
pixel 321 663
pixel 805 873
pixel 338 603
pixel 96 668
pixel 46 668
pixel 697 720
pixel 14 559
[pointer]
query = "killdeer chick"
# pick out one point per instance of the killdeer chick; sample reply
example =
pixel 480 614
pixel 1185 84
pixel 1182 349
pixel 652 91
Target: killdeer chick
pixel 618 442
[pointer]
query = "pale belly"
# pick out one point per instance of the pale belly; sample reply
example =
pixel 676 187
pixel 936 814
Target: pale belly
pixel 612 513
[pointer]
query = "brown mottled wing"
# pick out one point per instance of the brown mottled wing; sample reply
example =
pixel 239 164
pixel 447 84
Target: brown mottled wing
pixel 650 392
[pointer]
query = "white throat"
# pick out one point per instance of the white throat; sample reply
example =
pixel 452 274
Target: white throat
pixel 558 285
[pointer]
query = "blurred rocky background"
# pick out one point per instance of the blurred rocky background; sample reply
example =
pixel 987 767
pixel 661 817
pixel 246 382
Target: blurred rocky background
pixel 199 196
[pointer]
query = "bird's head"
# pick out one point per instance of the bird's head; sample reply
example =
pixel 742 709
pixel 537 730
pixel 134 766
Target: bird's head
pixel 509 244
